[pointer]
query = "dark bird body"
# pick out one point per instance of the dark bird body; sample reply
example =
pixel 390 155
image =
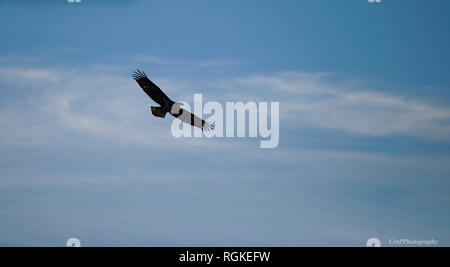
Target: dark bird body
pixel 166 104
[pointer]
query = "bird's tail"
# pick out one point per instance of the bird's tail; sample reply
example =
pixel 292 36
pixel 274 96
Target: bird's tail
pixel 157 111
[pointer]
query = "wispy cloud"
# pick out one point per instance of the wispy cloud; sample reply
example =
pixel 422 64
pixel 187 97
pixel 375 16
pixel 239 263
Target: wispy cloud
pixel 150 59
pixel 314 100
pixel 100 104
pixel 7 58
pixel 211 63
pixel 73 102
pixel 28 76
pixel 94 103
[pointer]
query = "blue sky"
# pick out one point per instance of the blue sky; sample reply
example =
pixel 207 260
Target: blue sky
pixel 364 123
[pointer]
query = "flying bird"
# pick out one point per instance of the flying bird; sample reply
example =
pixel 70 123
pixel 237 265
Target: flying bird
pixel 166 104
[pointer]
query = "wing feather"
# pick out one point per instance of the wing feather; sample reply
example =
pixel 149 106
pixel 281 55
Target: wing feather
pixel 151 89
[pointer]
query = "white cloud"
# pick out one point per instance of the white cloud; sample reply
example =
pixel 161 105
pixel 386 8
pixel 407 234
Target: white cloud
pixel 71 103
pixel 150 59
pixel 101 104
pixel 97 103
pixel 196 63
pixel 209 63
pixel 312 99
pixel 14 57
pixel 29 76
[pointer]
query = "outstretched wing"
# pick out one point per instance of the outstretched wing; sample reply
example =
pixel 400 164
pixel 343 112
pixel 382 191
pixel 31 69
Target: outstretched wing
pixel 193 120
pixel 151 89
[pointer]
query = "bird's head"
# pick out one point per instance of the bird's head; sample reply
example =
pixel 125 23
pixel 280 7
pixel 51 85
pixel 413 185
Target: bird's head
pixel 176 108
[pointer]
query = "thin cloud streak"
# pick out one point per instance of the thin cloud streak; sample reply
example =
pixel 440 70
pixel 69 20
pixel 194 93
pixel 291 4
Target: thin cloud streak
pixel 148 59
pixel 311 99
pixel 100 104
